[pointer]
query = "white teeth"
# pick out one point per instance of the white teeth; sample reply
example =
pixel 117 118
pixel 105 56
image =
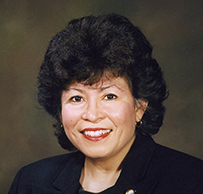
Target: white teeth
pixel 96 133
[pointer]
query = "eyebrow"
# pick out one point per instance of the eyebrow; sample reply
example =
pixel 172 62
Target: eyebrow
pixel 111 86
pixel 77 89
pixel 100 89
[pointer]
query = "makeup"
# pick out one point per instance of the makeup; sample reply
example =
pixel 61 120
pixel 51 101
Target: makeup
pixel 95 134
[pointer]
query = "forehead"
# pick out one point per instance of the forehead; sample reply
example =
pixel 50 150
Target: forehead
pixel 104 83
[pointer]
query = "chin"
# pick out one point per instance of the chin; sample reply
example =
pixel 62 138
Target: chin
pixel 96 153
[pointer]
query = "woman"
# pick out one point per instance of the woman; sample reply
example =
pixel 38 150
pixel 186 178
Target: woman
pixel 105 92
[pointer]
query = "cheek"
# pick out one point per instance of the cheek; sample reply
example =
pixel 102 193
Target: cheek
pixel 123 113
pixel 69 117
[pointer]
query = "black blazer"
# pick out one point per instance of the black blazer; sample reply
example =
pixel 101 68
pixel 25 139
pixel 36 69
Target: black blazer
pixel 148 168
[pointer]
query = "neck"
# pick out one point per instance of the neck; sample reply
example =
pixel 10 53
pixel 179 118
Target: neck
pixel 99 174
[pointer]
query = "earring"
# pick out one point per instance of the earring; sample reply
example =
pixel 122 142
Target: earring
pixel 61 125
pixel 139 124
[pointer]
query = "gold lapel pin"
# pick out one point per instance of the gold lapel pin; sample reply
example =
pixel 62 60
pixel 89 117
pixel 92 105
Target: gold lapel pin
pixel 130 191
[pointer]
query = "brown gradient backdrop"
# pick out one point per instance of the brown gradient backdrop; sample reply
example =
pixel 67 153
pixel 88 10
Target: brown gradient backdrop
pixel 175 29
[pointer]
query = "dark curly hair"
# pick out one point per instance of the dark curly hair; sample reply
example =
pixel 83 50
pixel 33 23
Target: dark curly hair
pixel 87 48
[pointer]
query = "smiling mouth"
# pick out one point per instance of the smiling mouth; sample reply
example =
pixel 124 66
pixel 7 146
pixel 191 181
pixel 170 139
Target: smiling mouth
pixel 95 134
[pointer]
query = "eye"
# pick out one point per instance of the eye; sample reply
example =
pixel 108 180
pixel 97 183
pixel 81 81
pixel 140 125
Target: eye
pixel 76 99
pixel 110 97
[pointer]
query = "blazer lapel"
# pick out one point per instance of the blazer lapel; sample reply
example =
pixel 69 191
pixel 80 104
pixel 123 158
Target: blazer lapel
pixel 146 186
pixel 38 189
pixel 68 180
pixel 134 174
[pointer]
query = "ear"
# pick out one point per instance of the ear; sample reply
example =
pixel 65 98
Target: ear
pixel 60 116
pixel 140 107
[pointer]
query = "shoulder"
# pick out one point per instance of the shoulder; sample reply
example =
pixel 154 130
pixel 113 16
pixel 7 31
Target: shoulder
pixel 174 158
pixel 51 165
pixel 44 175
pixel 176 168
pixel 43 172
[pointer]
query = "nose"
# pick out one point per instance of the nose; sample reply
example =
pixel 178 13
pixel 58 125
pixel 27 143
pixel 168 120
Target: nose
pixel 93 113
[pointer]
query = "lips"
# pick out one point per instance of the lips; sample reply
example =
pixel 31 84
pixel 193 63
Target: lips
pixel 95 134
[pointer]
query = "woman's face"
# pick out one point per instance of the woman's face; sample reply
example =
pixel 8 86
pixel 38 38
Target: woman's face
pixel 100 119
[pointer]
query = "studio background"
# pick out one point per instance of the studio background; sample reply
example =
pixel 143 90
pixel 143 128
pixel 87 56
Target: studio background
pixel 174 28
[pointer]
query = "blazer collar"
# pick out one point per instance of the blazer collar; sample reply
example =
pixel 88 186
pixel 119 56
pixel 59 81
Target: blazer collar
pixel 133 174
pixel 135 166
pixel 68 179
